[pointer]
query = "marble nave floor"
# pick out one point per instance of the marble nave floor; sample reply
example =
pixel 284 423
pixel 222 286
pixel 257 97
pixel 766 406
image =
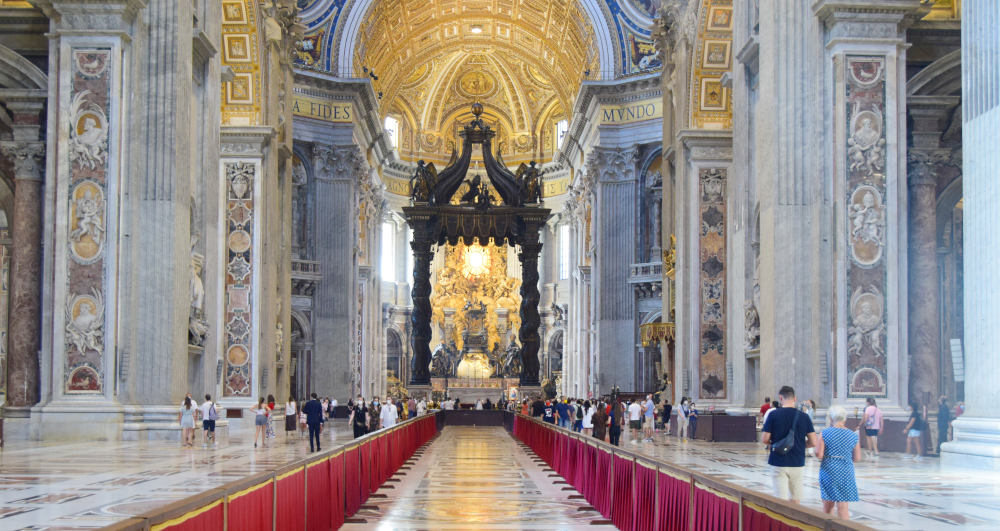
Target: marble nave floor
pixel 467 478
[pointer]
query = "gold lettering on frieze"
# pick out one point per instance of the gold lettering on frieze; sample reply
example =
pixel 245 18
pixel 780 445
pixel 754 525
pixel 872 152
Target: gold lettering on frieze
pixel 557 187
pixel 327 111
pixel 632 112
pixel 397 186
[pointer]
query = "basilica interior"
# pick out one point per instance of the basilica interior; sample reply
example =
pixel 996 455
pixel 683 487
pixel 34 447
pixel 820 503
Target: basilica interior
pixel 504 199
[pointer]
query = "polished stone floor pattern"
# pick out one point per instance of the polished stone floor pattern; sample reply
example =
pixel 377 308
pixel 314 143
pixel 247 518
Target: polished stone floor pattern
pixel 65 487
pixel 896 494
pixel 468 478
pixel 477 478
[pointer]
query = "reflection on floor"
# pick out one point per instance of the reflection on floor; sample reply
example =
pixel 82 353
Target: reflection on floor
pixel 477 478
pixel 897 494
pixel 88 486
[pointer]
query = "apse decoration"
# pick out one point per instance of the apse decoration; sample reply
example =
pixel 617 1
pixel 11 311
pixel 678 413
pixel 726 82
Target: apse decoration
pixel 84 314
pixel 712 247
pixel 239 278
pixel 435 220
pixel 866 228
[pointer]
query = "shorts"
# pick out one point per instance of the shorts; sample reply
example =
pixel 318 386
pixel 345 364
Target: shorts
pixel 208 425
pixel 649 422
pixel 871 433
pixel 913 433
pixel 635 424
pixel 787 480
pixel 261 420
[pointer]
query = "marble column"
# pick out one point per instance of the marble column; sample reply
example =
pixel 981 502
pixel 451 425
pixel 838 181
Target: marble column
pixel 925 283
pixel 613 173
pixel 977 432
pixel 530 320
pixel 420 318
pixel 24 338
pixel 928 115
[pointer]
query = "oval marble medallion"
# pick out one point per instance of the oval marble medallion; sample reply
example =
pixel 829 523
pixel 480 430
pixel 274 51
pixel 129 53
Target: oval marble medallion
pixel 239 241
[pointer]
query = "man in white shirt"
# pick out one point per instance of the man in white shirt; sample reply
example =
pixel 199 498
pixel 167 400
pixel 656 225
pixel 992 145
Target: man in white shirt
pixel 333 409
pixel 422 407
pixel 208 421
pixel 448 404
pixel 635 420
pixel 389 414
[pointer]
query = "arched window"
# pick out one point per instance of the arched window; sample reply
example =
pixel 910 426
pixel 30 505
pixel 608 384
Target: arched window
pixel 392 127
pixel 562 127
pixel 563 252
pixel 388 256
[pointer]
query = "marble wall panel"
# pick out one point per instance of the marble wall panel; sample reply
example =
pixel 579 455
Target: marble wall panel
pixel 89 159
pixel 712 377
pixel 866 215
pixel 240 185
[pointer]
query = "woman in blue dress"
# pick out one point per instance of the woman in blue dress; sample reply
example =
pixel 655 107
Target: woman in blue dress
pixel 838 450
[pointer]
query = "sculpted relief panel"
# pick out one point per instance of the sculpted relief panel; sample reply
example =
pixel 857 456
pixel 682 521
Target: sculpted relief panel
pixel 84 315
pixel 866 228
pixel 240 181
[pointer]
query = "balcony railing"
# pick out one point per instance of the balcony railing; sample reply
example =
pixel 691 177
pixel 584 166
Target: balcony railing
pixel 649 272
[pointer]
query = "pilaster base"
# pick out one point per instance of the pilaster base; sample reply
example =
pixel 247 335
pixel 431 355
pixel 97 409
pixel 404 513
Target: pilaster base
pixel 531 392
pixel 71 422
pixel 419 391
pixel 976 444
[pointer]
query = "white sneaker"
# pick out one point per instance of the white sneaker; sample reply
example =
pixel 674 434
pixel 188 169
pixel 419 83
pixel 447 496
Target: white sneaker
pixel 906 456
pixel 918 458
pixel 876 456
pixel 204 445
pixel 215 444
pixel 634 441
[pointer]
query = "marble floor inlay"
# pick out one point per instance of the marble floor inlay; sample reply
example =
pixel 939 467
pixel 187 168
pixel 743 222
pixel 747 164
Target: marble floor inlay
pixel 476 478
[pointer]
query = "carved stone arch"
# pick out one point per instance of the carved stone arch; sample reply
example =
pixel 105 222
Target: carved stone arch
pixel 654 316
pixel 301 321
pixel 395 347
pixel 557 334
pixel 649 158
pixel 16 72
pixel 940 78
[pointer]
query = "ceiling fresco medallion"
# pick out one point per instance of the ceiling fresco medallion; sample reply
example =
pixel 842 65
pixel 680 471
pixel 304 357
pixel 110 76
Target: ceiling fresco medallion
pixel 477 84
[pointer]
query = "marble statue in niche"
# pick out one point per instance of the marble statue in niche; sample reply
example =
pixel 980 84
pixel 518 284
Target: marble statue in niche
pixel 197 323
pixel 867 323
pixel 85 322
pixel 654 185
pixel 88 144
pixel 751 312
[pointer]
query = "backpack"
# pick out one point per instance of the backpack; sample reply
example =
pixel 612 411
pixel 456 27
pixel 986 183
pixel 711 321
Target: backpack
pixel 579 412
pixel 870 423
pixel 786 444
pixel 212 414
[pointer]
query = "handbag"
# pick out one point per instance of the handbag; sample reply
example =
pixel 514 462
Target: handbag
pixel 786 444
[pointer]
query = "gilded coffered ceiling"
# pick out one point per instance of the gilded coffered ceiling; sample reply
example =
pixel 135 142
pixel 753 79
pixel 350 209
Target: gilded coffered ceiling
pixel 523 59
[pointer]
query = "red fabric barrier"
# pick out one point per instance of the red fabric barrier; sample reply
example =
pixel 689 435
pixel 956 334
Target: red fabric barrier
pixel 760 519
pixel 252 509
pixel 208 518
pixel 673 499
pixel 622 511
pixel 570 463
pixel 379 466
pixel 290 500
pixel 645 498
pixel 318 493
pixel 352 481
pixel 366 470
pixel 557 451
pixel 713 512
pixel 337 495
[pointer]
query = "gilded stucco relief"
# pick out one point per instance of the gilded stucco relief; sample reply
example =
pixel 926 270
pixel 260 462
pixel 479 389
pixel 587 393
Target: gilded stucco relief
pixel 711 103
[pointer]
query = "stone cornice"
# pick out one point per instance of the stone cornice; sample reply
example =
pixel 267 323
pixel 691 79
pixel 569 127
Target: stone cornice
pixel 91 14
pixel 707 145
pixel 244 140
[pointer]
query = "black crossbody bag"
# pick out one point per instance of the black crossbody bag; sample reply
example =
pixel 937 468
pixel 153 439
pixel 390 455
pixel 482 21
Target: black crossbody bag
pixel 785 445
